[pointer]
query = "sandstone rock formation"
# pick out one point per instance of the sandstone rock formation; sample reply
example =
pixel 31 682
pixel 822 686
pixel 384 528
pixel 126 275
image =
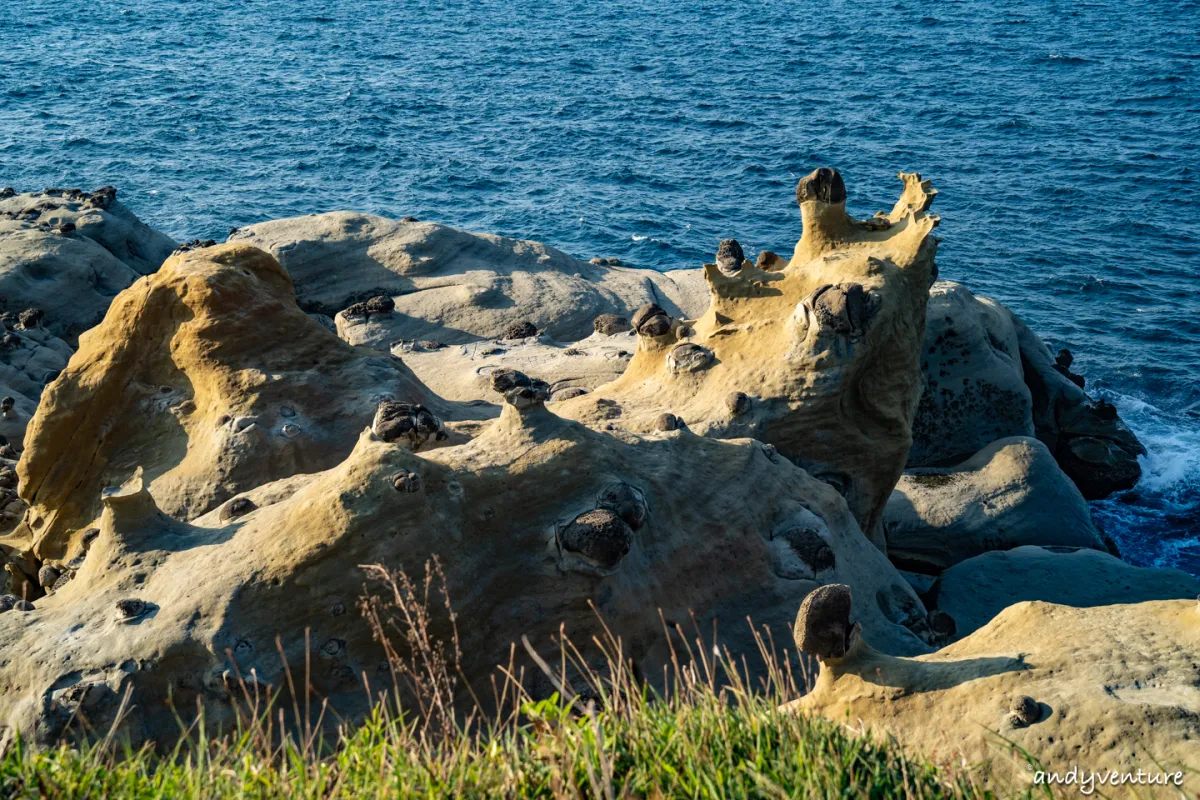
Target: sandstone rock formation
pixel 975 591
pixel 451 286
pixel 463 372
pixel 988 376
pixel 1010 493
pixel 210 378
pixel 534 520
pixel 1113 687
pixel 817 357
pixel 96 216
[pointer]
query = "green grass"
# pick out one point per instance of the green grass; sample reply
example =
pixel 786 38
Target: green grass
pixel 712 733
pixel 704 747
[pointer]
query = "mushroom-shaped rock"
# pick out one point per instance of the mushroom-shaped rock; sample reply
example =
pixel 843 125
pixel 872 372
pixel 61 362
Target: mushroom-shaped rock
pixel 823 627
pixel 828 344
pixel 823 184
pixel 600 536
pixel 730 256
pixel 519 390
pixel 651 320
pixel 406 422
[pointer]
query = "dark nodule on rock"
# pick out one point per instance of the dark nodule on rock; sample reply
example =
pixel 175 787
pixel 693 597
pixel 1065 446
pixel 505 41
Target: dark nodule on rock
pixel 195 244
pixel 1025 711
pixel 380 304
pixel 626 502
pixel 823 626
pixel 412 421
pixel 610 324
pixel 132 608
pixel 651 320
pixel 407 482
pixel 600 536
pixel 48 576
pixel 519 389
pixel 238 507
pixel 688 357
pixel 810 548
pixel 7 405
pixel 30 318
pixel 520 330
pixel 942 623
pixel 730 256
pixel 667 422
pixel 824 184
pixel 737 403
pixel 844 308
pixel 10 602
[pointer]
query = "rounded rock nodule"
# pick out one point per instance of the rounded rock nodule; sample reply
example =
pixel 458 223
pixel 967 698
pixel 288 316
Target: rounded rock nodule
pixel 406 482
pixel 626 502
pixel 238 507
pixel 823 627
pixel 601 536
pixel 730 256
pixel 688 357
pixel 651 320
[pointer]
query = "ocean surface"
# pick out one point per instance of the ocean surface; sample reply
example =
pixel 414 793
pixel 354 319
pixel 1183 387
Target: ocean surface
pixel 1064 138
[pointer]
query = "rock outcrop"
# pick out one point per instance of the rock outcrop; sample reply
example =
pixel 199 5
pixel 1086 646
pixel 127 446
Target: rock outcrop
pixel 988 376
pixel 818 357
pixel 29 360
pixel 451 286
pixel 96 216
pixel 538 521
pixel 975 390
pixel 208 377
pixel 1108 688
pixel 464 372
pixel 975 591
pixel 1010 493
pixel 1087 437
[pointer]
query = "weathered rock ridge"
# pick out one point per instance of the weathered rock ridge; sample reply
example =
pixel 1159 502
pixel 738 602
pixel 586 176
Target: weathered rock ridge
pixel 817 356
pixel 447 285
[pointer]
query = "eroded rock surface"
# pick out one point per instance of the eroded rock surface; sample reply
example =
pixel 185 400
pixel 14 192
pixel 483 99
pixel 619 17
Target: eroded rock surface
pixel 452 286
pixel 1010 493
pixel 209 377
pixel 825 348
pixel 463 372
pixel 532 520
pixel 1115 687
pixel 988 376
pixel 30 358
pixel 96 216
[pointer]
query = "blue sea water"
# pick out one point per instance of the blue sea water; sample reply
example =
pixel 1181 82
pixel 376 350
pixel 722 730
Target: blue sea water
pixel 1063 136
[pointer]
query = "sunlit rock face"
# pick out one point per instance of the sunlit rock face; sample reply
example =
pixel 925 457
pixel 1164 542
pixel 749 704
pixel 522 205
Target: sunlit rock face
pixel 817 356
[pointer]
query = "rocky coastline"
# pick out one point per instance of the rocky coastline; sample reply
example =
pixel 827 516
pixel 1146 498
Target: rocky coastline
pixel 202 443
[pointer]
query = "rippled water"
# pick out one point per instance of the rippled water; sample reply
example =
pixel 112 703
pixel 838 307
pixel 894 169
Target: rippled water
pixel 1062 135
